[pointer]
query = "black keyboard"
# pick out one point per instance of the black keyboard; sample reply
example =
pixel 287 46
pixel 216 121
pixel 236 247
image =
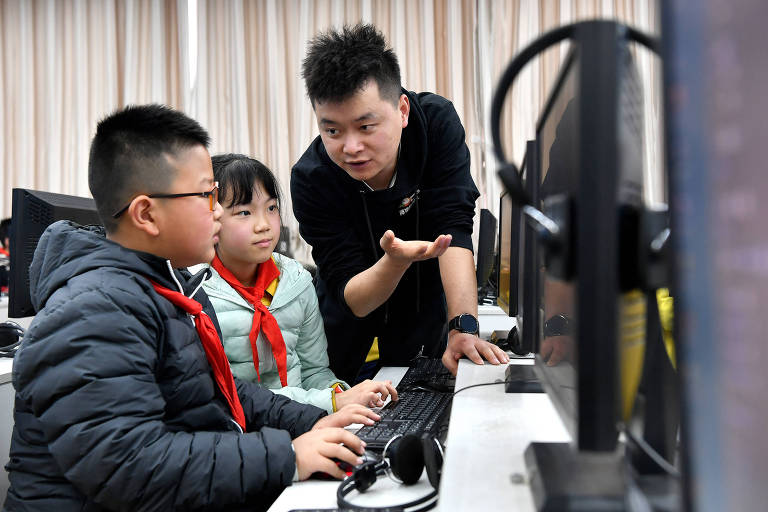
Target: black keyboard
pixel 416 412
pixel 426 374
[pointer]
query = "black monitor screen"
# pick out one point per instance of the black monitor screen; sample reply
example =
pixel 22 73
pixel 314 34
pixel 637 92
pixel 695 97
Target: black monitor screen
pixel 486 255
pixel 715 72
pixel 591 329
pixel 32 212
pixel 526 257
pixel 557 315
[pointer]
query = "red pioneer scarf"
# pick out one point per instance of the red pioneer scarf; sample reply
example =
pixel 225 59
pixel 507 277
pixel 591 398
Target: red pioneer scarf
pixel 214 351
pixel 263 321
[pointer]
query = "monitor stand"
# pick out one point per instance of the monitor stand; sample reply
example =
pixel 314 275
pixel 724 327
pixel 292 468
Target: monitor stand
pixel 520 378
pixel 562 478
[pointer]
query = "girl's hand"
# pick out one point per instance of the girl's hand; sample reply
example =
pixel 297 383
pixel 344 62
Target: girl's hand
pixel 369 393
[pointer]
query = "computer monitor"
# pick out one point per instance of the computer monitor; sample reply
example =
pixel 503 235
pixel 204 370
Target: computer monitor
pixel 528 261
pixel 32 212
pixel 586 213
pixel 517 261
pixel 715 72
pixel 486 258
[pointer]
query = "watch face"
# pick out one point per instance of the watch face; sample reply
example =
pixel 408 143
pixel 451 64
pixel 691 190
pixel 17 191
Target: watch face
pixel 468 323
pixel 558 325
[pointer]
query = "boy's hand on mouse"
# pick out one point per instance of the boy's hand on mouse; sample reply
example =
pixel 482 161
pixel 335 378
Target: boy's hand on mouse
pixel 407 251
pixel 318 450
pixel 352 413
pixel 370 393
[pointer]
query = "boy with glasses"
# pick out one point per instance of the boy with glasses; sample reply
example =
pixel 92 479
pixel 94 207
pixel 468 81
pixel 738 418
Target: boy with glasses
pixel 124 396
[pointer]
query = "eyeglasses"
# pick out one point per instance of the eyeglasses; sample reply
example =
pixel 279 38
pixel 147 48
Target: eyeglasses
pixel 212 195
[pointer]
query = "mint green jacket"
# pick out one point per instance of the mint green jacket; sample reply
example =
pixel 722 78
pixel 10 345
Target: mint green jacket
pixel 295 308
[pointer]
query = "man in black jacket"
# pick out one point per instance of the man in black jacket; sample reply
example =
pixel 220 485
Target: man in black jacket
pixel 389 169
pixel 124 397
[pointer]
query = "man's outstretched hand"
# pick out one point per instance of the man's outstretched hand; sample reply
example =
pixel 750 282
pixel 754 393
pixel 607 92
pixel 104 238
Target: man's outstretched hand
pixel 408 251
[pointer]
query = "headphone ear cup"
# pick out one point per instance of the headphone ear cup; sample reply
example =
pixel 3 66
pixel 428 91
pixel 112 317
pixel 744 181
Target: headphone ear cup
pixel 406 458
pixel 433 459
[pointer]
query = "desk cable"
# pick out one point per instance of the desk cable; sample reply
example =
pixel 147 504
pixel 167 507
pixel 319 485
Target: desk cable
pixel 478 385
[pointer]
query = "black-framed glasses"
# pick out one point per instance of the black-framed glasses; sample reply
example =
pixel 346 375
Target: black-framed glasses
pixel 212 195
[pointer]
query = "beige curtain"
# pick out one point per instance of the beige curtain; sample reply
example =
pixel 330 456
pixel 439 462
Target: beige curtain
pixel 65 65
pixel 235 66
pixel 252 99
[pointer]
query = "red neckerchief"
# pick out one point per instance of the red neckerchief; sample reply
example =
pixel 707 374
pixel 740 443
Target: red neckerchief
pixel 214 351
pixel 263 321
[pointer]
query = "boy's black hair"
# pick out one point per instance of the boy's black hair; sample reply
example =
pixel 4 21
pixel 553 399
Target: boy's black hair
pixel 340 63
pixel 237 175
pixel 129 155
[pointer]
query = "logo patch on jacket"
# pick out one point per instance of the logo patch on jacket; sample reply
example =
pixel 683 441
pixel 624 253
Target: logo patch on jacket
pixel 406 203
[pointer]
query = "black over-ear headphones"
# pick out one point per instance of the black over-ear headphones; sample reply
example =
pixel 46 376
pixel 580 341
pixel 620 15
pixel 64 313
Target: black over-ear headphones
pixel 10 338
pixel 404 457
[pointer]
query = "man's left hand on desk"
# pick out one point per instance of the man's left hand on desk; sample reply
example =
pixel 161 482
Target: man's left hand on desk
pixel 469 345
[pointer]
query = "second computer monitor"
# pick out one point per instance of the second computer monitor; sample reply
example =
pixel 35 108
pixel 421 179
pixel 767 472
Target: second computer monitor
pixel 486 258
pixel 32 212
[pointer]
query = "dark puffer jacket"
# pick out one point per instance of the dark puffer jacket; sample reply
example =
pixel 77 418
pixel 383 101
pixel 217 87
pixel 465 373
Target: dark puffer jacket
pixel 116 407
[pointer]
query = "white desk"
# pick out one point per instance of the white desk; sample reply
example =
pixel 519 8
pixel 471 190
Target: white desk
pixel 484 469
pixel 489 430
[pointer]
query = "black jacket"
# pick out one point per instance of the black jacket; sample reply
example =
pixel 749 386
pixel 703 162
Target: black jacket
pixel 116 407
pixel 343 221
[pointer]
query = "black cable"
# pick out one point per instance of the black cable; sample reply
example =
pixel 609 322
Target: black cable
pixel 478 385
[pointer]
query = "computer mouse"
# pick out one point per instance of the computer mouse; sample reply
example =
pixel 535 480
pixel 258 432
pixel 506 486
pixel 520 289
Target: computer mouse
pixel 346 467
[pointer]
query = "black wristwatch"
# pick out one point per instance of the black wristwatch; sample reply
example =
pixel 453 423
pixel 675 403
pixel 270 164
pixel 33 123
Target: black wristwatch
pixel 464 323
pixel 557 325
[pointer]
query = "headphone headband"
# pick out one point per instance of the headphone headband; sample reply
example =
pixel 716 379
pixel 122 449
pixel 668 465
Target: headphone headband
pixel 403 459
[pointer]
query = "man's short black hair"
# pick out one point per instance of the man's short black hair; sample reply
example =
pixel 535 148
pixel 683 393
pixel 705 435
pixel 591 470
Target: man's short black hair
pixel 129 155
pixel 340 63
